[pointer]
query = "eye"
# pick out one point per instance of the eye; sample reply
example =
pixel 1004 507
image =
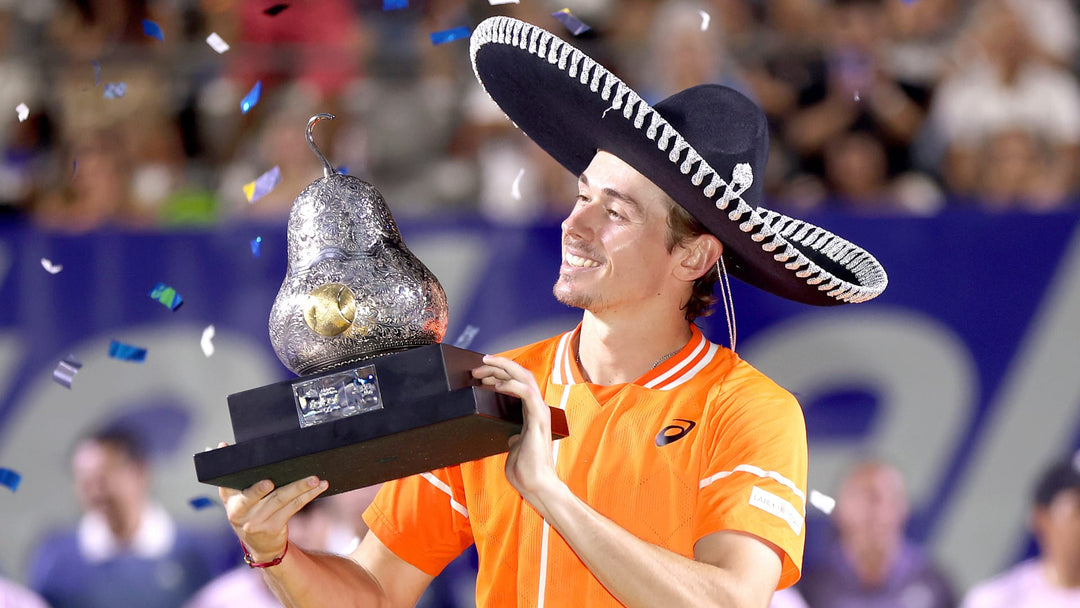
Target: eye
pixel 612 213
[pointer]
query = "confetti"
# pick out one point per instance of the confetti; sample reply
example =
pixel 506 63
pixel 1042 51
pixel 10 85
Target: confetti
pixel 49 267
pixel 576 26
pixel 275 10
pixel 449 35
pixel 704 20
pixel 74 167
pixel 202 502
pixel 822 502
pixel 256 247
pixel 22 111
pixel 498 2
pixel 217 43
pixel 10 478
pixel 205 343
pixel 393 5
pixel 126 352
pixel 262 184
pixel 466 337
pixel 251 98
pixel 97 71
pixel 65 371
pixel 115 90
pixel 152 29
pixel 515 188
pixel 857 96
pixel 166 295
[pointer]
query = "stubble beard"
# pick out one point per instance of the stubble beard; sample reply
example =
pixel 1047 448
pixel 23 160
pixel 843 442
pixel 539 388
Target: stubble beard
pixel 565 293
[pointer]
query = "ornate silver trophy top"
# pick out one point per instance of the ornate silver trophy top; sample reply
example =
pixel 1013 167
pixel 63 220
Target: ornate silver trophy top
pixel 353 290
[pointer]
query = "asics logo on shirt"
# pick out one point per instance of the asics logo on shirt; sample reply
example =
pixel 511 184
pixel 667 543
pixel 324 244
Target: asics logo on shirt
pixel 674 432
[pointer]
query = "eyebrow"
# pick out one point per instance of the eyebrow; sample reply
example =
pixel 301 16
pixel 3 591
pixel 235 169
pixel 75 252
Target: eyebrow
pixel 613 193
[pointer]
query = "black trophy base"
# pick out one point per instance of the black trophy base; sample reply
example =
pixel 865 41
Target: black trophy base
pixel 433 415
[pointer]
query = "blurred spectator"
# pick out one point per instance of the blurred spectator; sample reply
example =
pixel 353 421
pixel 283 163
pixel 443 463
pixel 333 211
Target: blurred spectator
pixel 126 550
pixel 17 596
pixel 857 178
pixel 1051 580
pixel 872 565
pixel 849 89
pixel 1001 85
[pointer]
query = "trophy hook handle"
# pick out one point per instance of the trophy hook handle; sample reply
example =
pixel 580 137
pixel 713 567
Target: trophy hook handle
pixel 328 169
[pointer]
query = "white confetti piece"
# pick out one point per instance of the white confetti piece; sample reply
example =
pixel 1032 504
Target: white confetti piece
pixel 23 111
pixel 49 267
pixel 498 2
pixel 217 43
pixel 515 189
pixel 205 343
pixel 822 502
pixel 704 20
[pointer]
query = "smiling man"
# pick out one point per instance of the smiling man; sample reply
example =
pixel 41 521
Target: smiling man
pixel 682 482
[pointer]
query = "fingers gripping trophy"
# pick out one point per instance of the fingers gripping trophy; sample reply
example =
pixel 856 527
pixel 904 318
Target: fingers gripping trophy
pixel 360 319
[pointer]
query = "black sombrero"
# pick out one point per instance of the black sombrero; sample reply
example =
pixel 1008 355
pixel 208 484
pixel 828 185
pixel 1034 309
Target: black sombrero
pixel 706 147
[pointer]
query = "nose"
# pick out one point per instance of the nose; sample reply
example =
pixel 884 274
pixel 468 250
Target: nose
pixel 577 223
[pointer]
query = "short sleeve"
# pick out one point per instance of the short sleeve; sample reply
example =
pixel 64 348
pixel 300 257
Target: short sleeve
pixel 754 476
pixel 423 519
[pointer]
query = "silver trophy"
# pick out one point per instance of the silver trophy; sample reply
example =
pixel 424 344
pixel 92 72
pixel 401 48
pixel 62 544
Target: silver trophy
pixel 360 319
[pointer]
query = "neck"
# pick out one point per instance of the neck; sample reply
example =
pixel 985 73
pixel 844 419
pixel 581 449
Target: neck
pixel 124 524
pixel 1065 576
pixel 616 352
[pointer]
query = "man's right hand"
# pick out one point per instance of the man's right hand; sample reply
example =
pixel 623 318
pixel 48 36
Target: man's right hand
pixel 260 514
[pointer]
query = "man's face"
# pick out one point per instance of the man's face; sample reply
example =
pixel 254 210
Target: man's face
pixel 107 481
pixel 614 241
pixel 1057 527
pixel 872 506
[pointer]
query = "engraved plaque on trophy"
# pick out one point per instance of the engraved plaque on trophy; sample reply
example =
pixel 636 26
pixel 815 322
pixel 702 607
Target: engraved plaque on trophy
pixel 360 319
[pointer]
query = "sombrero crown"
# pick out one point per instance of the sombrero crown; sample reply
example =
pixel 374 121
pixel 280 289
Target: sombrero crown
pixel 706 147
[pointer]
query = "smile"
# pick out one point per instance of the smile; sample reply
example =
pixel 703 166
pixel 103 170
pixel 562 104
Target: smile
pixel 579 262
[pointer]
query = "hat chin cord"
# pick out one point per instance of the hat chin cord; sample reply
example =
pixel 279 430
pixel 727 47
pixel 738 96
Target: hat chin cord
pixel 729 303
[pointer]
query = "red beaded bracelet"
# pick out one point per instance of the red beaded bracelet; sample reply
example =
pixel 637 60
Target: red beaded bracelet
pixel 251 563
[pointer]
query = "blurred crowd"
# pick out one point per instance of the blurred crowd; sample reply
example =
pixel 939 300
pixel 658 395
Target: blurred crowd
pixel 127 550
pixel 876 106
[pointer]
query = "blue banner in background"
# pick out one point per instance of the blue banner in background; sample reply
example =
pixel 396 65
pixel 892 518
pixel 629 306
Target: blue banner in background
pixel 964 373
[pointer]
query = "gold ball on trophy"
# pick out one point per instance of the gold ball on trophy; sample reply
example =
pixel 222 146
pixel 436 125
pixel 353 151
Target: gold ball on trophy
pixel 330 309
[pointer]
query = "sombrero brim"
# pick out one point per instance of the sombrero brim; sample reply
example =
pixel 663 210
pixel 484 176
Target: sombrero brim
pixel 572 106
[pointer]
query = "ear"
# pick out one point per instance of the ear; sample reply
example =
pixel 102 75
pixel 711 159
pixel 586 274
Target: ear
pixel 697 256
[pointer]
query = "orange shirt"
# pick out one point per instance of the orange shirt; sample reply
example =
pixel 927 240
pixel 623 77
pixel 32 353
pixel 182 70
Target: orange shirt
pixel 702 443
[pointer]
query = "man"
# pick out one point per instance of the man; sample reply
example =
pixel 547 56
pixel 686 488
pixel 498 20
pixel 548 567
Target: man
pixel 1051 580
pixel 683 480
pixel 873 565
pixel 126 550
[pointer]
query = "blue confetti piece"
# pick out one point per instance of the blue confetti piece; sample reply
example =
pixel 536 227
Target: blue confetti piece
pixel 115 90
pixel 126 352
pixel 450 35
pixel 166 295
pixel 251 98
pixel 394 5
pixel 97 72
pixel 202 502
pixel 152 29
pixel 10 478
pixel 572 23
pixel 256 246
pixel 343 170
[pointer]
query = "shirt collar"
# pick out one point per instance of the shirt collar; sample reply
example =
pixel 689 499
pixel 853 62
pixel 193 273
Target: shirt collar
pixel 677 369
pixel 153 539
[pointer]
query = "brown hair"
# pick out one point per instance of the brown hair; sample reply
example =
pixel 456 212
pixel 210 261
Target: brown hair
pixel 682 227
